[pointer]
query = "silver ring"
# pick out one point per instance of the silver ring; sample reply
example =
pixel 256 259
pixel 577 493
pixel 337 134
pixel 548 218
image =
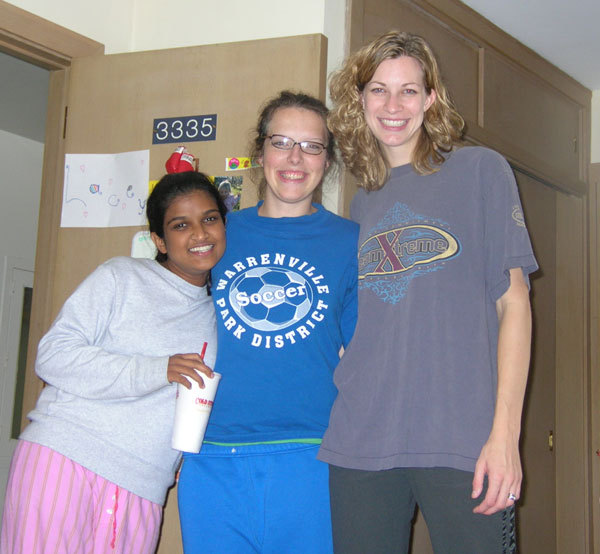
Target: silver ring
pixel 511 496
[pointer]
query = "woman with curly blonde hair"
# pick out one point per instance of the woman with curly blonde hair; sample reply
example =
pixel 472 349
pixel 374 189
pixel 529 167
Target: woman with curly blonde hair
pixel 444 324
pixel 442 124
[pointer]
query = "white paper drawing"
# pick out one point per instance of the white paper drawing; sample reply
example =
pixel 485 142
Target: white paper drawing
pixel 105 190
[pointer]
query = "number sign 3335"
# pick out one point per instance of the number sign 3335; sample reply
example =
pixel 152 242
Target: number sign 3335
pixel 192 128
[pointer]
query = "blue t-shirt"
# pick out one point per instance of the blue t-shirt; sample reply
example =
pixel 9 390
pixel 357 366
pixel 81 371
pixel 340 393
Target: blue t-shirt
pixel 417 385
pixel 285 295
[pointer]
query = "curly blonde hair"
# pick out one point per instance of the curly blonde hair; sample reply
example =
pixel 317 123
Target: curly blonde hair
pixel 442 126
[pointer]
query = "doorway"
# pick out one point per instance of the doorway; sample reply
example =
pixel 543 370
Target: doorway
pixel 14 331
pixel 23 99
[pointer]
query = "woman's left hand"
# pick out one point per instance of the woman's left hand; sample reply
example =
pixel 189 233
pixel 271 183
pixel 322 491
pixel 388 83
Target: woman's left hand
pixel 500 461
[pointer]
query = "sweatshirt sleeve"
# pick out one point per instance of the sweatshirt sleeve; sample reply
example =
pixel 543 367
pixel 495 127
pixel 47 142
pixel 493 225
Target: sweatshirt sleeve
pixel 71 358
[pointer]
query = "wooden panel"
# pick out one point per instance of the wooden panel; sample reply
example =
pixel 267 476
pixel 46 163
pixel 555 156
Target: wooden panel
pixel 113 101
pixel 572 495
pixel 538 119
pixel 458 55
pixel 459 16
pixel 420 543
pixel 537 508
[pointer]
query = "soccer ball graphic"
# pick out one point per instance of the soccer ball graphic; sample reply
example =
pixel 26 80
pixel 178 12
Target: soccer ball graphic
pixel 270 299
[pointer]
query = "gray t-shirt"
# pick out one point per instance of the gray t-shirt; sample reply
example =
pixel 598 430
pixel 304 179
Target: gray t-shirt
pixel 417 384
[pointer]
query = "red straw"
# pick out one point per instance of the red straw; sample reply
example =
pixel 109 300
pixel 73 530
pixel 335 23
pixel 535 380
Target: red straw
pixel 203 350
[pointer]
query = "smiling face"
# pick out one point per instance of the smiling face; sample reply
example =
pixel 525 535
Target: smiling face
pixel 394 104
pixel 194 237
pixel 293 175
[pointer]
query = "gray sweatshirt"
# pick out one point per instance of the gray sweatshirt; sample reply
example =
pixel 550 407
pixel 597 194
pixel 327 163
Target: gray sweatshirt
pixel 108 405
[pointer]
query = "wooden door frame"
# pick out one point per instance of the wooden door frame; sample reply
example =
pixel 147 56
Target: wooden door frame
pixel 594 334
pixel 50 46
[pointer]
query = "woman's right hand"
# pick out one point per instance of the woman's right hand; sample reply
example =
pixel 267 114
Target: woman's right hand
pixel 183 367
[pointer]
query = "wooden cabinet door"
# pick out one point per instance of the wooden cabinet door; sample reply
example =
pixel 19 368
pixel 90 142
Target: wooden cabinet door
pixel 536 516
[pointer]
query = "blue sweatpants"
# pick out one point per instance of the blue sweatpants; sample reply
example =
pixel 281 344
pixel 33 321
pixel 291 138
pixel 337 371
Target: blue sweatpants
pixel 268 498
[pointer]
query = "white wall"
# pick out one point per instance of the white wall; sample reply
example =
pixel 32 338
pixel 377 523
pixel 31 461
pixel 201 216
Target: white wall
pixel 595 157
pixel 20 182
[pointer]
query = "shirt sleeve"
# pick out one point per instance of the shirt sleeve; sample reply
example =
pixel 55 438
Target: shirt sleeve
pixel 507 242
pixel 350 306
pixel 71 357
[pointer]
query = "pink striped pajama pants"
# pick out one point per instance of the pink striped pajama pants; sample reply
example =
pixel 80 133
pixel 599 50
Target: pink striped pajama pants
pixel 55 506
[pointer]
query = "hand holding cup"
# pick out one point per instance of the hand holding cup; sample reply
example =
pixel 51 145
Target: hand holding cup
pixel 184 368
pixel 194 400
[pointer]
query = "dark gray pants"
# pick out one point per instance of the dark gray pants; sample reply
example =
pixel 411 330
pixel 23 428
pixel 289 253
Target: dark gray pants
pixel 372 512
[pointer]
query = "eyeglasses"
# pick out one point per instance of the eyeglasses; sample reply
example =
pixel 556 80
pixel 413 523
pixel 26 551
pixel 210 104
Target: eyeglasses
pixel 282 142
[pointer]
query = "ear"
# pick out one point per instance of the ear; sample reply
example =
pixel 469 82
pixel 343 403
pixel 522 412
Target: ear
pixel 159 243
pixel 430 99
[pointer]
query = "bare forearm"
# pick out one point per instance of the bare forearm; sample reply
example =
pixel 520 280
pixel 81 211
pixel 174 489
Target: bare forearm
pixel 499 458
pixel 514 350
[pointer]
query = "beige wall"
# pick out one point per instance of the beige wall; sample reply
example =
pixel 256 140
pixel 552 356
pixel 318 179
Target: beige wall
pixel 595 154
pixel 133 25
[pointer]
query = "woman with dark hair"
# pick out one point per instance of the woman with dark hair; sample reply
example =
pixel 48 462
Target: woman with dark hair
pixel 431 388
pixel 285 295
pixel 91 471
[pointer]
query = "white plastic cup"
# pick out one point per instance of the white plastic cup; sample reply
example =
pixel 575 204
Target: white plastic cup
pixel 192 410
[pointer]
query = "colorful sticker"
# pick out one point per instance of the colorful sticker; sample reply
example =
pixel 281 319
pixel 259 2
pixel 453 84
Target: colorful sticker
pixel 236 164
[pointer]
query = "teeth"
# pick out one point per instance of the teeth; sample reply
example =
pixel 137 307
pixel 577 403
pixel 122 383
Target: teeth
pixel 394 122
pixel 204 248
pixel 292 175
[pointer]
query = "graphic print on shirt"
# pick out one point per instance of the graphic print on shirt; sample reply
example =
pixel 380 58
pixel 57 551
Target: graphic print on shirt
pixel 517 215
pixel 271 300
pixel 403 246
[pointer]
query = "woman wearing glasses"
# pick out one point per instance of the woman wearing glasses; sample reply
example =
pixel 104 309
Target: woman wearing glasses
pixel 285 296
